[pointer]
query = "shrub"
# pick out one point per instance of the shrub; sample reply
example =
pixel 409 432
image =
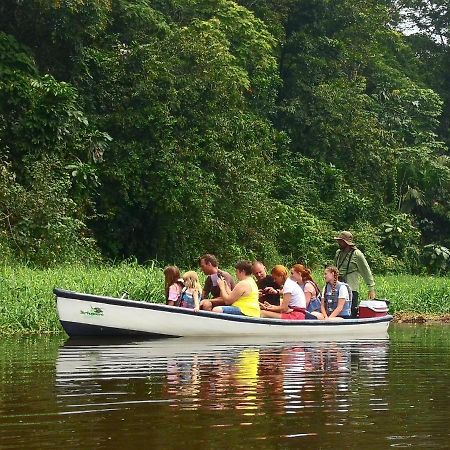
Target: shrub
pixel 436 258
pixel 40 223
pixel 302 237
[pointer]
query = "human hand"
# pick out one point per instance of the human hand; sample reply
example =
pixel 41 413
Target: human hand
pixel 206 305
pixel 372 295
pixel 268 306
pixel 270 290
pixel 221 283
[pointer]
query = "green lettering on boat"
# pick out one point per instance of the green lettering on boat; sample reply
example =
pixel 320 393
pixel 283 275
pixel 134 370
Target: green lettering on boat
pixel 94 311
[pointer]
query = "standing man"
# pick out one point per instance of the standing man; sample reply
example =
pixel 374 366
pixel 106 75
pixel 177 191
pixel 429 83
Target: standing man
pixel 210 266
pixel 352 264
pixel 269 290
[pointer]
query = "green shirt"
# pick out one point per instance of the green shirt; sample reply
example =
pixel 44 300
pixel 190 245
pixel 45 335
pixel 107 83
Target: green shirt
pixel 358 267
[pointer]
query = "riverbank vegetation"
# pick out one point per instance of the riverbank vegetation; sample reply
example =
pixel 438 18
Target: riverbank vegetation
pixel 165 129
pixel 28 304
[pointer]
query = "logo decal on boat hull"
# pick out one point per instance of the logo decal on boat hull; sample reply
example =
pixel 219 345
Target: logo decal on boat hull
pixel 94 311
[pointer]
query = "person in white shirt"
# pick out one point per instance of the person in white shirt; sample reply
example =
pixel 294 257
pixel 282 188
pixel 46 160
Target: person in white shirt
pixel 293 303
pixel 336 298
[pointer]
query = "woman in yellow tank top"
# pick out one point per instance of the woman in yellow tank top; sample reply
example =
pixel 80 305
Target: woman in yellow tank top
pixel 243 300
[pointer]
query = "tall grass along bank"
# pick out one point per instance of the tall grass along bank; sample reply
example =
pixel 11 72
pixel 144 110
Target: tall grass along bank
pixel 27 303
pixel 27 299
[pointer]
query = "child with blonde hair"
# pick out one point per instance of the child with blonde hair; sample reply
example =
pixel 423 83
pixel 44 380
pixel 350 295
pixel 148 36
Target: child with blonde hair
pixel 191 294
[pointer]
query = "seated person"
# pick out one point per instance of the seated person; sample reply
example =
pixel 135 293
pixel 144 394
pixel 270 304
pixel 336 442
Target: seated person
pixel 336 298
pixel 173 285
pixel 302 275
pixel 243 299
pixel 191 294
pixel 293 303
pixel 210 267
pixel 269 290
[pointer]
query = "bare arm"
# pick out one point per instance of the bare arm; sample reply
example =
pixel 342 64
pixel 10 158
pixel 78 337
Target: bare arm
pixel 284 306
pixel 308 297
pixel 339 308
pixel 227 288
pixel 196 301
pixel 322 308
pixel 230 297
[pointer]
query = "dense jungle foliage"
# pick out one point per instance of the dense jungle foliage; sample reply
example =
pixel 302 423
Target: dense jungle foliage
pixel 163 129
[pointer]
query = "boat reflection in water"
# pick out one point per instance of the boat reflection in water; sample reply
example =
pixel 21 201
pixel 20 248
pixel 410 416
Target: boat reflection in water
pixel 249 378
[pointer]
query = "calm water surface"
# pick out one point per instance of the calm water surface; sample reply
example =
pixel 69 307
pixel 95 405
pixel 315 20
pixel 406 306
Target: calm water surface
pixel 211 394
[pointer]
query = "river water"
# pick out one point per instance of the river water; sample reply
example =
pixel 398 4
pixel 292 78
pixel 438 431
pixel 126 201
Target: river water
pixel 214 394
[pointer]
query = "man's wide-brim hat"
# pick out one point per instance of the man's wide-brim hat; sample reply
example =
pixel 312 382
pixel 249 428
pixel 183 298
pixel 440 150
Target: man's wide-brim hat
pixel 347 237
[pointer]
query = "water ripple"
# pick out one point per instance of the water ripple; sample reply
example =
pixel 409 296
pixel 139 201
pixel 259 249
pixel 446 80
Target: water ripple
pixel 215 394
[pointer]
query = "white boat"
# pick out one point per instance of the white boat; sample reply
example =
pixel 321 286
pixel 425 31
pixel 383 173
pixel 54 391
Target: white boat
pixel 94 315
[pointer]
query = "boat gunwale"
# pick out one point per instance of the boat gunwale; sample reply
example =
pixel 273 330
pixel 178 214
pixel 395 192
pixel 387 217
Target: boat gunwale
pixel 207 314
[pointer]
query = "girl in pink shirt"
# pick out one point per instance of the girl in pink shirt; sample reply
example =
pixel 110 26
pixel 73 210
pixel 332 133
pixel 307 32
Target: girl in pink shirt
pixel 303 276
pixel 173 285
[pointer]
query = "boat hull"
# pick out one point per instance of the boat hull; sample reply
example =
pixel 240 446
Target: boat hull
pixel 92 315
